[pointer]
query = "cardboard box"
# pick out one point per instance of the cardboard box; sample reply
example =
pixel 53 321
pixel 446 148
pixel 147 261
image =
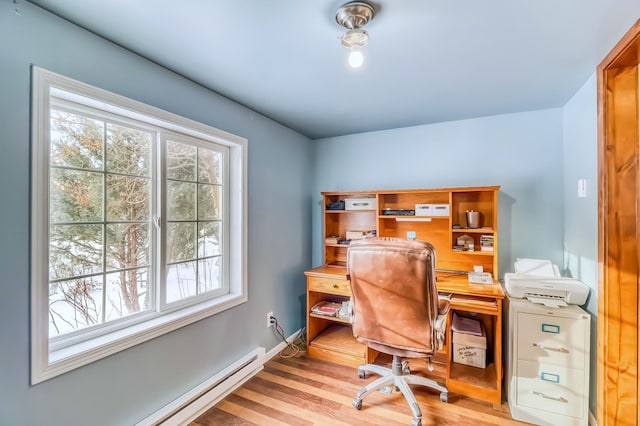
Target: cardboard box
pixel 423 209
pixel 439 209
pixel 360 204
pixel 469 349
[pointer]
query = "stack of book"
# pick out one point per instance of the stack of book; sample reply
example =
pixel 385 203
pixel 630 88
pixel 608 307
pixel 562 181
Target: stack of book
pixel 486 243
pixel 327 308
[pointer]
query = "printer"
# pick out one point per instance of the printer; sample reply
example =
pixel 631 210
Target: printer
pixel 540 282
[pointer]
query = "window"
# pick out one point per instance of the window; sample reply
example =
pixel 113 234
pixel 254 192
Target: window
pixel 138 223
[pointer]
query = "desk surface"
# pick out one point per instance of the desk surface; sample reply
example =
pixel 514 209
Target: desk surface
pixel 484 301
pixel 446 283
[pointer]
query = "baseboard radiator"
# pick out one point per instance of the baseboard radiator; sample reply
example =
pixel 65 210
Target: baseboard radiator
pixel 192 404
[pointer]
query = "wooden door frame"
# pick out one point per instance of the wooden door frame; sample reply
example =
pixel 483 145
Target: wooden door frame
pixel 618 232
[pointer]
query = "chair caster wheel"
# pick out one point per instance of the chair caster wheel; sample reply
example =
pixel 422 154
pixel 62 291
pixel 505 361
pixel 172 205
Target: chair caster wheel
pixel 357 403
pixel 361 374
pixel 444 396
pixel 416 422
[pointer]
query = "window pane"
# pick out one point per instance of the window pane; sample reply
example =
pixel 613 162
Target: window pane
pixel 76 141
pixel 209 166
pixel 194 213
pixel 209 274
pixel 76 196
pixel 181 203
pixel 181 281
pixel 74 304
pixel 127 293
pixel 209 239
pixel 181 242
pixel 128 198
pixel 127 245
pixel 74 250
pixel 209 200
pixel 181 161
pixel 128 150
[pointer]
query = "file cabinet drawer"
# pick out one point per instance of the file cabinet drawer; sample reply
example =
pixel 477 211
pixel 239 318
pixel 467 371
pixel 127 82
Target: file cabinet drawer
pixel 551 388
pixel 329 285
pixel 552 339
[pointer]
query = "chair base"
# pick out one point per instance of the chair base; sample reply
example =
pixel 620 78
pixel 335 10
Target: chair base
pixel 398 377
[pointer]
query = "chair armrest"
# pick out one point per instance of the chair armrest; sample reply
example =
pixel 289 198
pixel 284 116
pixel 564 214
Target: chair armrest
pixel 443 306
pixel 441 322
pixel 441 327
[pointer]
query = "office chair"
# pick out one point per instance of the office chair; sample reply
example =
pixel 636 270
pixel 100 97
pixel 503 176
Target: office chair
pixel 396 311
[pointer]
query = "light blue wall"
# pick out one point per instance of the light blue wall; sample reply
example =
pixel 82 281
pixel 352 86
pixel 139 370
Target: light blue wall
pixel 126 387
pixel 581 214
pixel 520 152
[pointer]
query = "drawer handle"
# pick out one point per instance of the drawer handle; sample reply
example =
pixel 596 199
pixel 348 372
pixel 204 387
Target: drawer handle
pixel 548 348
pixel 335 286
pixel 555 398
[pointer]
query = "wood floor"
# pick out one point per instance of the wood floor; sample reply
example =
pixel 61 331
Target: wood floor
pixel 305 391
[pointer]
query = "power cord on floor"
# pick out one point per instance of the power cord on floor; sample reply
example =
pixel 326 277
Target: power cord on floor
pixel 294 348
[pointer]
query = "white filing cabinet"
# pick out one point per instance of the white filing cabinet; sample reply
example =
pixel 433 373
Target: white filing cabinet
pixel 548 363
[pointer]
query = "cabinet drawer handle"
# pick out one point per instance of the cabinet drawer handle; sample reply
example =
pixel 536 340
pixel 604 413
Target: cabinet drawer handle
pixel 555 398
pixel 335 286
pixel 548 348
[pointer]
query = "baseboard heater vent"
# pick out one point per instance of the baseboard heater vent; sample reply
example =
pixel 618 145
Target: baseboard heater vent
pixel 192 404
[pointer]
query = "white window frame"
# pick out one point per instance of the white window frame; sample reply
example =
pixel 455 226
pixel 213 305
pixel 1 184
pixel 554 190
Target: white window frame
pixel 48 361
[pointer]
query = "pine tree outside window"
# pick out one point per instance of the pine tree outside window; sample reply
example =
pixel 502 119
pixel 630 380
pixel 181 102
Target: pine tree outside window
pixel 138 223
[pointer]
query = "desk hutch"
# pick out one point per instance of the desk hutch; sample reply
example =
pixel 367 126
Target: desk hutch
pixel 330 338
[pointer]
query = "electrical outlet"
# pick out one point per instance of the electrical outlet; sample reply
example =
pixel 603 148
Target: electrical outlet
pixel 269 321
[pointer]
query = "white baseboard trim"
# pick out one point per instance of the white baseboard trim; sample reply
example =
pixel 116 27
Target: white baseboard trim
pixel 592 419
pixel 195 402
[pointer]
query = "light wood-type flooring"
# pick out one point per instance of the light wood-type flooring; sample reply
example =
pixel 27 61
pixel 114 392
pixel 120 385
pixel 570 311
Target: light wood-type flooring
pixel 306 391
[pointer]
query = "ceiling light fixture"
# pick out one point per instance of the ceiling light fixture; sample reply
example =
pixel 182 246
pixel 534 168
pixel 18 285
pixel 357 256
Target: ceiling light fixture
pixel 353 16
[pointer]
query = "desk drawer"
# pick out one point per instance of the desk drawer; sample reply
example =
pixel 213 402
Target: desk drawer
pixel 329 285
pixel 556 340
pixel 551 388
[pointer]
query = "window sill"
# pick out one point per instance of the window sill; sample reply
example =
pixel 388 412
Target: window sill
pixel 71 357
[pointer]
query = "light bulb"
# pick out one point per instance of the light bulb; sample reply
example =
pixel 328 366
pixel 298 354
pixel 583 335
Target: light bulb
pixel 355 58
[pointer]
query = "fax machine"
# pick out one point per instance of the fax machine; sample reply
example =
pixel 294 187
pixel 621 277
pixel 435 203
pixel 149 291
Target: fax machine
pixel 545 286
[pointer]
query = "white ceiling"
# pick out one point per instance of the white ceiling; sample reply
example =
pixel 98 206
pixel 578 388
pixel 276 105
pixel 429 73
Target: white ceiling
pixel 427 61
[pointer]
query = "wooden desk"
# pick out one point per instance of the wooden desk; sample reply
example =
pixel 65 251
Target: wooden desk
pixel 330 338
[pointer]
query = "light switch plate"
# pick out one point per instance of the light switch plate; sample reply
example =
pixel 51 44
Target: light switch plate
pixel 582 188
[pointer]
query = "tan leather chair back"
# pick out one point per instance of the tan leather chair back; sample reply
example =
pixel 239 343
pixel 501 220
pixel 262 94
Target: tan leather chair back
pixel 394 294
